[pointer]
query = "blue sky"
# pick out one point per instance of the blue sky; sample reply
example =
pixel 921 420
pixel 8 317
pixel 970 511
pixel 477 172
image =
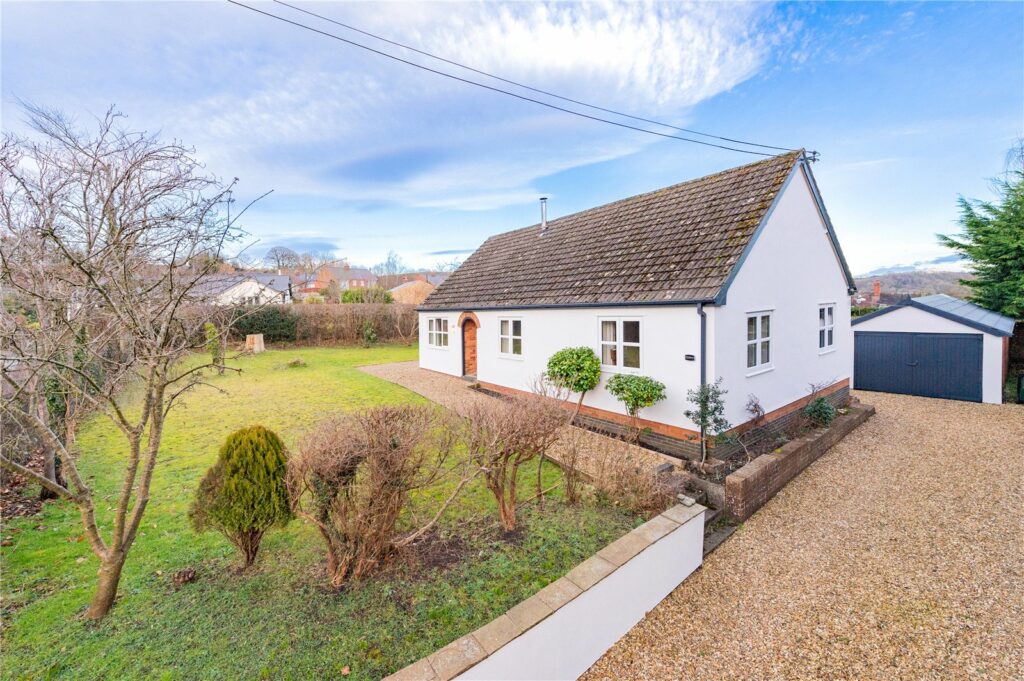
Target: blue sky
pixel 909 105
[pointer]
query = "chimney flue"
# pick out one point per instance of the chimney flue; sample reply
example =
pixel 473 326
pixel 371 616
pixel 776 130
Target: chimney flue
pixel 543 214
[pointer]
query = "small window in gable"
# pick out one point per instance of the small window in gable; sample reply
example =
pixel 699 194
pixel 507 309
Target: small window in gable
pixel 759 340
pixel 437 332
pixel 826 326
pixel 511 333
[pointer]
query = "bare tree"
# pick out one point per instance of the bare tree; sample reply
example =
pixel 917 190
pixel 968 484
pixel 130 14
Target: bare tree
pixel 504 435
pixel 110 233
pixel 389 272
pixel 311 262
pixel 281 258
pixel 448 265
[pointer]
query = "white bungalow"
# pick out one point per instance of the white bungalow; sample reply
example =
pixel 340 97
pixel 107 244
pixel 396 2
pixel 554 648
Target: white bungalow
pixel 737 275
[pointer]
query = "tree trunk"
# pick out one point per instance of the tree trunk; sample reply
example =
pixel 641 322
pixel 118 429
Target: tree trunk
pixel 579 406
pixel 49 454
pixel 106 588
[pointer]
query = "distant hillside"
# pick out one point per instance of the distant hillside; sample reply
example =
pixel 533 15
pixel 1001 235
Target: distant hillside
pixel 918 283
pixel 953 262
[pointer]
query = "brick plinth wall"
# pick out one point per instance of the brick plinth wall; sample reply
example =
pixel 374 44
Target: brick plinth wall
pixel 749 488
pixel 689 448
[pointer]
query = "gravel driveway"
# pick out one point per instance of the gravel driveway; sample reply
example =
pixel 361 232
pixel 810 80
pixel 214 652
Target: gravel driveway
pixel 898 555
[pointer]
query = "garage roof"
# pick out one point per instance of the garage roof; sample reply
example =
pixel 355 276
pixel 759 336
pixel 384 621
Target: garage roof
pixel 955 309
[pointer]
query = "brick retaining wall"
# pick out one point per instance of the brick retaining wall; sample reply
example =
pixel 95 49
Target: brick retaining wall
pixel 749 488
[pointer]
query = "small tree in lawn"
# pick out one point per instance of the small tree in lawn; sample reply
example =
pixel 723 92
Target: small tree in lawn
pixel 502 436
pixel 577 370
pixel 245 493
pixel 708 412
pixel 124 230
pixel 636 393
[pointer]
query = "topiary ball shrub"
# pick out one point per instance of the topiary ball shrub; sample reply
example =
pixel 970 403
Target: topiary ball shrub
pixel 820 411
pixel 635 392
pixel 245 493
pixel 577 370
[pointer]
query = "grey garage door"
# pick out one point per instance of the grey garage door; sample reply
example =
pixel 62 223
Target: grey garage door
pixel 944 365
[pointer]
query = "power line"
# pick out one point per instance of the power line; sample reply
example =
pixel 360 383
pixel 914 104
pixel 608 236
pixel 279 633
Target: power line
pixel 492 88
pixel 524 86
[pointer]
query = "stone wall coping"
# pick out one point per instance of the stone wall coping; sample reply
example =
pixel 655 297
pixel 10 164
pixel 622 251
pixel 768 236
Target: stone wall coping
pixel 465 652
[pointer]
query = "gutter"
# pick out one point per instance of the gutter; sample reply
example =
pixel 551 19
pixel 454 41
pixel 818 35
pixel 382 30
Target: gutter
pixel 561 306
pixel 703 368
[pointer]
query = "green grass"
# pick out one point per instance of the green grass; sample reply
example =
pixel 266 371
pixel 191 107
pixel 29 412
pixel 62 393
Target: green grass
pixel 280 620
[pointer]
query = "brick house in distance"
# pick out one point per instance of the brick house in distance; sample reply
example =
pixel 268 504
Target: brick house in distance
pixel 737 275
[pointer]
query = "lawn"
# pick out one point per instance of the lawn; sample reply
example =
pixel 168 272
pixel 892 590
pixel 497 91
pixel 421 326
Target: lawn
pixel 280 620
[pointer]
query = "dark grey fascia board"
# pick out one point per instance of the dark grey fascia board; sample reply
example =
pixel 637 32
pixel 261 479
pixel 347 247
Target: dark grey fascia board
pixel 562 306
pixel 723 292
pixel 851 286
pixel 938 313
pixel 801 166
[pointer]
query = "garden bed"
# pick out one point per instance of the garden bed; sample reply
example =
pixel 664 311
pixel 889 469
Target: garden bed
pixel 746 488
pixel 282 618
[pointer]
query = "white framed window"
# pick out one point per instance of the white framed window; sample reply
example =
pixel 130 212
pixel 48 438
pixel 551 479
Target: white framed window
pixel 759 341
pixel 826 326
pixel 437 332
pixel 511 334
pixel 620 343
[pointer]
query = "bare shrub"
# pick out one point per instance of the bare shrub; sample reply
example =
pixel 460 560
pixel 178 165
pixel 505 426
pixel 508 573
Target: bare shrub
pixel 503 435
pixel 572 445
pixel 352 476
pixel 622 479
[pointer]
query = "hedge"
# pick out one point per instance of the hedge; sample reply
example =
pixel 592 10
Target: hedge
pixel 327 324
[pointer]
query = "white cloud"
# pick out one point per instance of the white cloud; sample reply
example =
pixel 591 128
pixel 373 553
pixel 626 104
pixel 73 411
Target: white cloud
pixel 318 103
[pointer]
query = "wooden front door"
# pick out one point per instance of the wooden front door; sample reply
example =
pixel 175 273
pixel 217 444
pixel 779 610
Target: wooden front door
pixel 469 347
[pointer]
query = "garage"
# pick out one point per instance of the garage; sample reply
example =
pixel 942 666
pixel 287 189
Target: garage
pixel 933 346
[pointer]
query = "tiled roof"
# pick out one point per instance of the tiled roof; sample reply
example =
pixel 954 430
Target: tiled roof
pixel 677 244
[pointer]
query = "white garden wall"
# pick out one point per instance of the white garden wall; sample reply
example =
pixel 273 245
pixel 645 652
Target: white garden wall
pixel 913 320
pixel 561 630
pixel 573 637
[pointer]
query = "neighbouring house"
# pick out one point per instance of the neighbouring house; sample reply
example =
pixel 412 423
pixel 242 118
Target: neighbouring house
pixel 390 281
pixel 343 274
pixel 737 275
pixel 412 292
pixel 933 346
pixel 244 288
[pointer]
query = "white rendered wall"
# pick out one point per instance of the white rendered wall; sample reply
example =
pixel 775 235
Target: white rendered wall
pixel 570 640
pixel 446 360
pixel 913 320
pixel 791 270
pixel 667 334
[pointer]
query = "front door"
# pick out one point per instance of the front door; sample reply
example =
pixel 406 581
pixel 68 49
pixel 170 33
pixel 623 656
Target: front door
pixel 469 348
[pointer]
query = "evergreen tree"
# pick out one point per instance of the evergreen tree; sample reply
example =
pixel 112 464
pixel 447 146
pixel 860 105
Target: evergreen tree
pixel 244 494
pixel 993 238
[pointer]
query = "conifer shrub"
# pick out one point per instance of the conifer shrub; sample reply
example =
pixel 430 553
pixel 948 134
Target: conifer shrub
pixel 245 492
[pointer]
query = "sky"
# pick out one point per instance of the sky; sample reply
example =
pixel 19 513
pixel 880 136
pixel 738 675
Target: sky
pixel 909 105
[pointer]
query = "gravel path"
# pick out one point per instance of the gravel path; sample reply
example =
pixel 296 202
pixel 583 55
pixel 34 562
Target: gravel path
pixel 455 394
pixel 898 555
